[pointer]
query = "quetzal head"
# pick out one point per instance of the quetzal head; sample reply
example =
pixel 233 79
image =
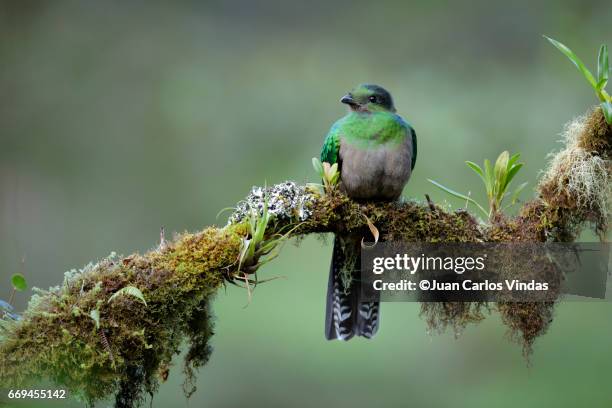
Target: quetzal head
pixel 369 98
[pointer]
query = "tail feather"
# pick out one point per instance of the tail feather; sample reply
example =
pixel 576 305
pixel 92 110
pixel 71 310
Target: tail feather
pixel 346 316
pixel 367 321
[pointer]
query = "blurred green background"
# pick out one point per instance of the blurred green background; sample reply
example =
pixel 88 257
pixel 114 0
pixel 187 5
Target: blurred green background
pixel 117 119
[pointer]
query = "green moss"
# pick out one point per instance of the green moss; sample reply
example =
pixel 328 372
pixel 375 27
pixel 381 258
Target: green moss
pixel 58 340
pixel 408 221
pixel 199 330
pixel 597 134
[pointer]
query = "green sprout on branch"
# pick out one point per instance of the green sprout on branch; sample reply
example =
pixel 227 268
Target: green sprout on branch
pixel 599 83
pixel 329 173
pixel 496 179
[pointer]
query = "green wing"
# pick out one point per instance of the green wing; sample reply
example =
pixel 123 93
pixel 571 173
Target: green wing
pixel 414 148
pixel 331 145
pixel 409 129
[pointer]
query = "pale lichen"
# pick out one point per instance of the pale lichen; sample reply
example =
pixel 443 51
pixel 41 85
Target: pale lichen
pixel 287 202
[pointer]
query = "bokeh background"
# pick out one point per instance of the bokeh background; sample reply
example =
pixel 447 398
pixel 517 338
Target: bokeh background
pixel 117 119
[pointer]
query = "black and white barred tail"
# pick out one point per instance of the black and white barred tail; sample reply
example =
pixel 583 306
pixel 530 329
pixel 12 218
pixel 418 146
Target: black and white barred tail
pixel 346 316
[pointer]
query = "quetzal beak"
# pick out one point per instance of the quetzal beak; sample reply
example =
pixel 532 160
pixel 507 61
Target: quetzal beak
pixel 348 99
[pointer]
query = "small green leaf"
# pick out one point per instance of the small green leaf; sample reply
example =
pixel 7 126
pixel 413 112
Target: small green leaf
pixel 477 169
pixel 575 60
pixel 244 249
pixel 315 188
pixel 488 176
pixel 261 223
pixel 95 316
pixel 458 195
pixel 602 67
pixel 501 164
pixel 606 107
pixel 129 291
pixel 448 190
pixel 333 170
pixel 317 166
pixel 334 174
pixel 19 282
pixel 267 247
pixel 501 172
pixel 261 227
pixel 252 221
pixel 513 159
pixel 513 170
pixel 334 179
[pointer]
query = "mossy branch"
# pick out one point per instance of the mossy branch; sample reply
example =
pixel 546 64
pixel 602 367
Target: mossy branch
pixel 129 349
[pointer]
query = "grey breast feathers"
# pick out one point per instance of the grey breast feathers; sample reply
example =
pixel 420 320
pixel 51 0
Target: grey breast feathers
pixel 375 173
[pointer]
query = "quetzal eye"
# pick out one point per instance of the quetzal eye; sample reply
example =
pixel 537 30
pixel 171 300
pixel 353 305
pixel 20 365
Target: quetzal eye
pixel 372 99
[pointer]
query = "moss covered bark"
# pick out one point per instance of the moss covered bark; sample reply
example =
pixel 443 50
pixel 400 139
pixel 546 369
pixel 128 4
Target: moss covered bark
pixel 129 349
pixel 57 338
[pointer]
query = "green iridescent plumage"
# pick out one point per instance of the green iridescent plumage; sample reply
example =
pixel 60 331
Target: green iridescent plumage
pixel 331 145
pixel 358 129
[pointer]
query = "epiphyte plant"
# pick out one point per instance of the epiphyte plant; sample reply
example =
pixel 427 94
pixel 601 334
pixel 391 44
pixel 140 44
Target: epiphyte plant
pixel 253 246
pixel 257 248
pixel 329 173
pixel 598 83
pixel 496 180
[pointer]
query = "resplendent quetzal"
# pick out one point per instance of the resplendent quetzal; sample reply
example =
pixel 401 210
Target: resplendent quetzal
pixel 376 151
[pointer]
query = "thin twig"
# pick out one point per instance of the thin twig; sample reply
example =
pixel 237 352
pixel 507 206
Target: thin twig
pixel 431 204
pixel 12 297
